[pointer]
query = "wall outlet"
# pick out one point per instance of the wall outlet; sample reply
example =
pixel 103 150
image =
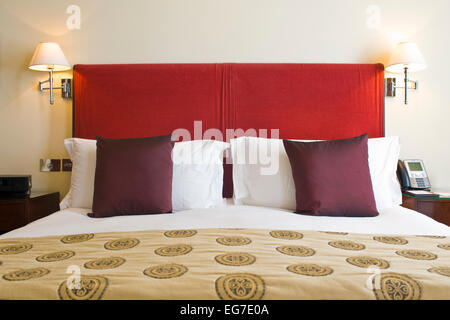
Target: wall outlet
pixel 50 165
pixel 66 165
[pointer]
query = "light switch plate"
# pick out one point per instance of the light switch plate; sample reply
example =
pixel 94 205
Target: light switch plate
pixel 50 165
pixel 389 87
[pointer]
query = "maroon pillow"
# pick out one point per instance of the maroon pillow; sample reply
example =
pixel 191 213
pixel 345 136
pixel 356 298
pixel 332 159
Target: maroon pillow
pixel 332 178
pixel 133 176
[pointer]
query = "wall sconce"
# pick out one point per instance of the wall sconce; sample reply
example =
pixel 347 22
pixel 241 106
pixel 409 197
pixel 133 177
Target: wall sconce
pixel 49 57
pixel 406 58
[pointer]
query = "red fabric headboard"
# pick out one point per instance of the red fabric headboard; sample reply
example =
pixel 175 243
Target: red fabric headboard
pixel 303 101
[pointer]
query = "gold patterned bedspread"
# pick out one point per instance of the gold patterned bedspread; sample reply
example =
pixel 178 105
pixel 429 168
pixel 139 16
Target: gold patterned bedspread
pixel 225 264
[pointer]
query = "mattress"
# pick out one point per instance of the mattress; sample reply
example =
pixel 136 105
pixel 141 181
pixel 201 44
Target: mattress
pixel 396 220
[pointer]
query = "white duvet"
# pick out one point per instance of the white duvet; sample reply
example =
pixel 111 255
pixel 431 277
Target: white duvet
pixel 394 221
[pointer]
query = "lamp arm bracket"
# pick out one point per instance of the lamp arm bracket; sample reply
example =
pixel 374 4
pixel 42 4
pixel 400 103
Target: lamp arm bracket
pixel 65 87
pixel 414 85
pixel 54 88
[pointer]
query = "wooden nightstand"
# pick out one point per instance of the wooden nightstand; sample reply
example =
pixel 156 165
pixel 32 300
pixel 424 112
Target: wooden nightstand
pixel 436 208
pixel 15 213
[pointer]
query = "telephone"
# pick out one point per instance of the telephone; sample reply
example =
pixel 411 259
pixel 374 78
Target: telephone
pixel 412 175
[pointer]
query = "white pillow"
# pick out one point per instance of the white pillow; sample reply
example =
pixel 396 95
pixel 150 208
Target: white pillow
pixel 253 186
pixel 66 202
pixel 254 183
pixel 383 159
pixel 84 158
pixel 197 174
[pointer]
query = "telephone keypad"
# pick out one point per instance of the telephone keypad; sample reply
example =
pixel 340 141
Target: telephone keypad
pixel 421 183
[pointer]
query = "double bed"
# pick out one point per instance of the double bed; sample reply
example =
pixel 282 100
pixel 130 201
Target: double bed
pixel 234 252
pixel 230 251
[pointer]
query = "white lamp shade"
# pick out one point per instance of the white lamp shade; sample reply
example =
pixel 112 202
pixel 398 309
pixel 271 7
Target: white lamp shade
pixel 49 56
pixel 406 55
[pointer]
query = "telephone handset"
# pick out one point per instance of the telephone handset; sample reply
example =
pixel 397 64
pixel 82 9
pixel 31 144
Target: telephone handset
pixel 412 175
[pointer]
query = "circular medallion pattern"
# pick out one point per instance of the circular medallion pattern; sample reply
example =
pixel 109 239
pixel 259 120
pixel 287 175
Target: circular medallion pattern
pixel 365 262
pixel 310 269
pixel 391 240
pixel 233 241
pixel 75 238
pixel 174 250
pixel 433 237
pixel 235 259
pixel 417 254
pixel 105 263
pixel 347 245
pixel 56 256
pixel 89 288
pixel 286 234
pixel 16 248
pixel 240 286
pixel 445 246
pixel 395 286
pixel 298 251
pixel 443 271
pixel 166 271
pixel 26 274
pixel 180 233
pixel 121 244
pixel 334 232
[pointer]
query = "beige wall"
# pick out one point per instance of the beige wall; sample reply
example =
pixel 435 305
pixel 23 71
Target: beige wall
pixel 129 31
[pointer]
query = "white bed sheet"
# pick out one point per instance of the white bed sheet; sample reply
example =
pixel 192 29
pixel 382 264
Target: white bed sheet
pixel 394 221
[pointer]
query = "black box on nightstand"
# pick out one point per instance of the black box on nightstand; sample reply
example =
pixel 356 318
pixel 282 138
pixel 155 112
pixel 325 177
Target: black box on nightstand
pixel 15 186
